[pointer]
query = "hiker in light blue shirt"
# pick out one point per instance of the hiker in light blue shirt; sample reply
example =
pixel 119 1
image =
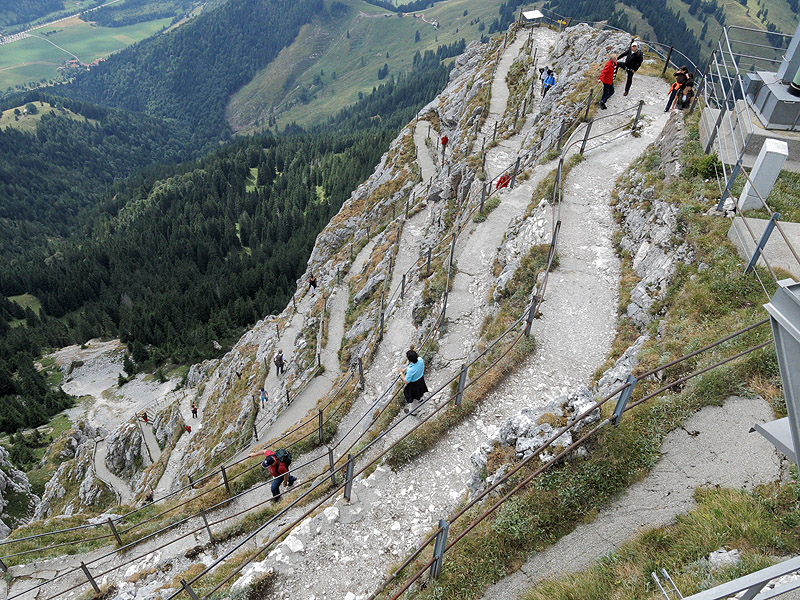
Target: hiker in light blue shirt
pixel 414 378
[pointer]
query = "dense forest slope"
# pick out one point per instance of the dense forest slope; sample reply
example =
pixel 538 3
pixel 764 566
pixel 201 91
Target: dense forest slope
pixel 190 257
pixel 65 164
pixel 188 73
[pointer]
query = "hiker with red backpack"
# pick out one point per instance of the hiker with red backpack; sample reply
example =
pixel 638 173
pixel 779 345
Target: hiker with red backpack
pixel 277 463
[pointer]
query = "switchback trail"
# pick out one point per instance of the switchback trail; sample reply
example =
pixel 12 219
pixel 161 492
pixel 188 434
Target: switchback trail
pixel 392 510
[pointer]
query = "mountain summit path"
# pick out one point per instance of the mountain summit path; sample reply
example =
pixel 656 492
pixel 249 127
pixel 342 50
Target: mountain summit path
pixel 392 511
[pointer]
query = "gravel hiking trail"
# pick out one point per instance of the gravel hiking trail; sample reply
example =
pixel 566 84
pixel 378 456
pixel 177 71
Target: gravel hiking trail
pixel 392 510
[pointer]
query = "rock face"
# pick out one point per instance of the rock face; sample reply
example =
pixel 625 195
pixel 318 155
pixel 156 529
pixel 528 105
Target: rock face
pixel 167 423
pixel 522 234
pixel 651 232
pixel 73 486
pixel 124 450
pixel 17 500
pixel 529 430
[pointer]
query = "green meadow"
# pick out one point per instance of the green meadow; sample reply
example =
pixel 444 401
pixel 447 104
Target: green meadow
pixel 33 59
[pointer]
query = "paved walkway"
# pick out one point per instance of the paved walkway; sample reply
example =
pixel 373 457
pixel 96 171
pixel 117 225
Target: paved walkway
pixel 713 448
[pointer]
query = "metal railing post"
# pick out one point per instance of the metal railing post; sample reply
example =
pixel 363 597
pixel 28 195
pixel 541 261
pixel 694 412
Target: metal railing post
pixel 586 137
pixel 524 105
pixel 531 315
pixel 516 118
pixel 723 109
pixel 331 463
pixel 483 197
pixel 624 397
pixel 514 176
pixel 588 105
pixel 225 477
pixel 205 522
pixel 114 531
pixel 361 372
pixel 638 115
pixel 444 308
pixel 561 136
pixel 762 242
pixel 348 486
pixel 380 333
pixel 734 174
pixel 89 577
pixel 403 287
pixel 452 251
pixel 666 62
pixel 191 482
pixel 188 589
pixel 3 566
pixel 494 136
pixel 462 379
pixel 438 548
pixel 288 400
pixel 320 425
pixel 278 330
pixel 406 208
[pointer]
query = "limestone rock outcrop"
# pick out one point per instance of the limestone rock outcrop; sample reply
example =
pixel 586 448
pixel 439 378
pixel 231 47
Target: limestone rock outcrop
pixel 17 500
pixel 73 487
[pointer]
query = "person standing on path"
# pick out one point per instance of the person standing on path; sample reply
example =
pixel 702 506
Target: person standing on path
pixel 681 77
pixel 549 82
pixel 607 76
pixel 414 378
pixel 279 361
pixel 543 76
pixel 194 410
pixel 633 60
pixel 278 466
pixel 264 398
pixel 312 282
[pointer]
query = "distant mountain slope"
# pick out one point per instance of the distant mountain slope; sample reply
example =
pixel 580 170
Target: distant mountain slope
pixel 189 73
pixel 64 165
pixel 23 11
pixel 342 55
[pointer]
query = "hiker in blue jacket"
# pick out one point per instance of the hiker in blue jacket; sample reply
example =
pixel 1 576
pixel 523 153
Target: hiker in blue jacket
pixel 549 82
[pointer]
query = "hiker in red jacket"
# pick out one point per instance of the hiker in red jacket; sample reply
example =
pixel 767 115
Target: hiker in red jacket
pixel 502 181
pixel 278 466
pixel 607 76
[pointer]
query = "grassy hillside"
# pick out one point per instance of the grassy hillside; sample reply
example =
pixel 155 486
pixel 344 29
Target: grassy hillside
pixel 38 58
pixel 334 61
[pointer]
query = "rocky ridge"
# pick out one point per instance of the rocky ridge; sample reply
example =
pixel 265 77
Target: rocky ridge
pixel 16 494
pixel 74 486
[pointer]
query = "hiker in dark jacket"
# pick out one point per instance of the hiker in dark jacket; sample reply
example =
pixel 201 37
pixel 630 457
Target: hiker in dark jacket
pixel 632 61
pixel 278 470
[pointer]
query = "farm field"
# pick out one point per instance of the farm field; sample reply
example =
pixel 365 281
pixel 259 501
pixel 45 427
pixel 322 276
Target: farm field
pixel 36 58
